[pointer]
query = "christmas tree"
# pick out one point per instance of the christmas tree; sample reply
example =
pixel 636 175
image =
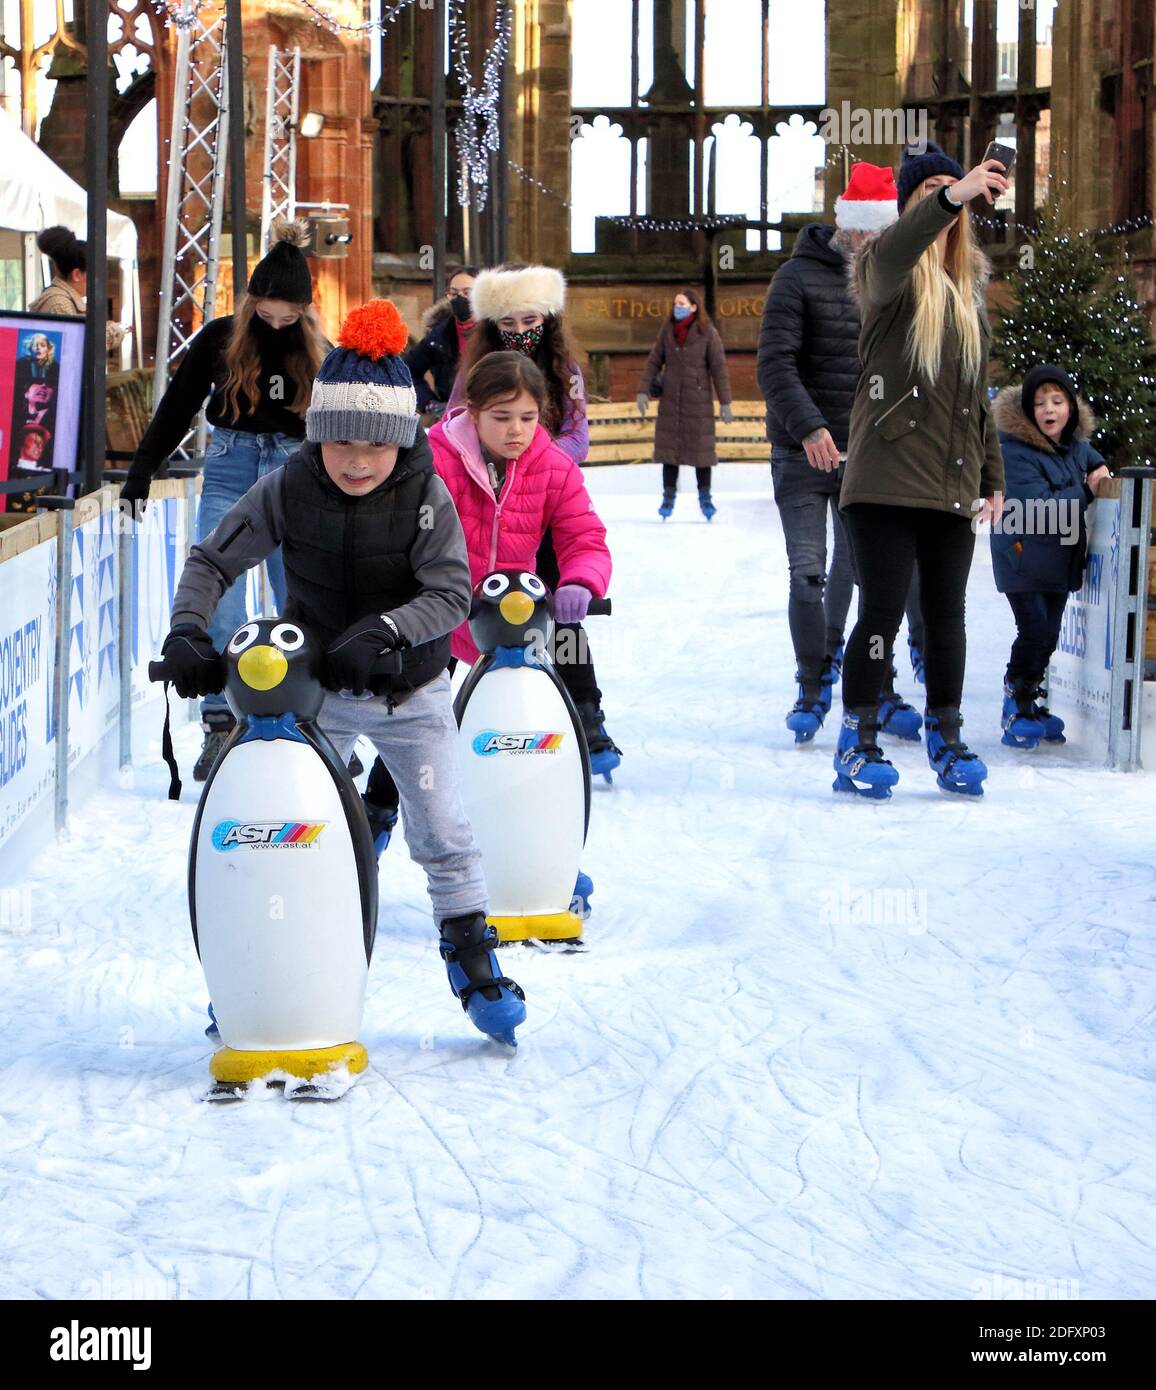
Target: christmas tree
pixel 1074 309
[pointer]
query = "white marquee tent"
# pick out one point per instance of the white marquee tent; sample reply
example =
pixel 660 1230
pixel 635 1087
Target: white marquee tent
pixel 36 193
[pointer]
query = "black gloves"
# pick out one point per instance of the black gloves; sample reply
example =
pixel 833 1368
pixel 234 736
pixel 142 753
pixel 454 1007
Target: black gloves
pixel 351 658
pixel 135 492
pixel 195 666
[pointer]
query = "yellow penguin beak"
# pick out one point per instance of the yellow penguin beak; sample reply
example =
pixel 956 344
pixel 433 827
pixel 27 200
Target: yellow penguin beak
pixel 261 668
pixel 517 609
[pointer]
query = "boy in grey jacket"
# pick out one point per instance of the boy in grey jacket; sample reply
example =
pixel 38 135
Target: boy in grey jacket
pixel 375 561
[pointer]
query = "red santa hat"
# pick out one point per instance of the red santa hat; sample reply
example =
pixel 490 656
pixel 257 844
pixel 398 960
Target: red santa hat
pixel 870 201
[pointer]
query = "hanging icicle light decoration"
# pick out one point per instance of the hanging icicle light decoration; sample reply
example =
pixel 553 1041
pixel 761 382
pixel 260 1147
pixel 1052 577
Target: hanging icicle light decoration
pixel 324 20
pixel 477 133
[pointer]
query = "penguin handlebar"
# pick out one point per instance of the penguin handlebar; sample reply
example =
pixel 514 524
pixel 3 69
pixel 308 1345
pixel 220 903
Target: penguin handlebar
pixel 599 608
pixel 389 664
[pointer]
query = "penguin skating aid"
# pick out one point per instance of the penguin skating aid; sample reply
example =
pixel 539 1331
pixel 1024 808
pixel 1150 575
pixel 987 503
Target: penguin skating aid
pixel 282 881
pixel 525 764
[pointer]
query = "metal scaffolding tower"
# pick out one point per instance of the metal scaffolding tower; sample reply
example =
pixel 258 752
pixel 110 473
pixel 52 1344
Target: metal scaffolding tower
pixel 279 197
pixel 195 201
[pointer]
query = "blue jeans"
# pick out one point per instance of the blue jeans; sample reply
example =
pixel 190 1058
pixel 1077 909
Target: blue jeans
pixel 234 460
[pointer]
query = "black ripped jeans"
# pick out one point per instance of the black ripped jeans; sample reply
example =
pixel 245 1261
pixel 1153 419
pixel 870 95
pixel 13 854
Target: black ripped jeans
pixel 887 542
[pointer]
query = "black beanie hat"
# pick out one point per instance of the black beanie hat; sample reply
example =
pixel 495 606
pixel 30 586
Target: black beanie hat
pixel 1036 378
pixel 284 271
pixel 919 166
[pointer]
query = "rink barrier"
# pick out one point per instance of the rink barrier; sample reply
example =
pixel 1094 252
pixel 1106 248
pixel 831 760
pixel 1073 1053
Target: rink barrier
pixel 1126 716
pixel 74 667
pixel 618 434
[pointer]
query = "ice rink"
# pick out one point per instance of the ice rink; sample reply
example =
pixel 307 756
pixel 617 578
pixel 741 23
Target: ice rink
pixel 817 1048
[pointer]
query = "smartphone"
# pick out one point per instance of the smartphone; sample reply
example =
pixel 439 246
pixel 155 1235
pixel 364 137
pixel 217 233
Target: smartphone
pixel 1004 153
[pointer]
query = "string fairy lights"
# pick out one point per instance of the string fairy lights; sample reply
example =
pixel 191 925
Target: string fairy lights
pixel 478 132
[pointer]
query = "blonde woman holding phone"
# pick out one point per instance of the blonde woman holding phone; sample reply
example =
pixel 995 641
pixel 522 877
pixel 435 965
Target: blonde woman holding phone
pixel 924 460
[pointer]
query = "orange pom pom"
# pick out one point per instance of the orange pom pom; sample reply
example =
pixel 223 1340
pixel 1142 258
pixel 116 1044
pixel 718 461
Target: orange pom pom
pixel 374 330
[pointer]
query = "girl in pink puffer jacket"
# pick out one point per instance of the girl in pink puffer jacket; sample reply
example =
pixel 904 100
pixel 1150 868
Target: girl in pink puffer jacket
pixel 510 482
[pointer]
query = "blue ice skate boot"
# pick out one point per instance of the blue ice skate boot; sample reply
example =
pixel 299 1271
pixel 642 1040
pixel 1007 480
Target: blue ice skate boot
pixel 832 669
pixel 583 891
pixel 806 718
pixel 916 662
pixel 667 508
pixel 382 823
pixel 708 507
pixel 896 716
pixel 859 765
pixel 605 755
pixel 1052 723
pixel 957 769
pixel 1021 727
pixel 495 1004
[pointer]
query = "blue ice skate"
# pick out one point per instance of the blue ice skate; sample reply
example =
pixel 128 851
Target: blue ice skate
pixel 832 670
pixel 859 765
pixel 605 755
pixel 1052 723
pixel 1021 726
pixel 495 1004
pixel 708 507
pixel 897 717
pixel 583 891
pixel 666 510
pixel 806 718
pixel 382 823
pixel 916 661
pixel 957 769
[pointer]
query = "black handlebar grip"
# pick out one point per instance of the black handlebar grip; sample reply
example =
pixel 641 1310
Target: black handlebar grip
pixel 158 671
pixel 599 608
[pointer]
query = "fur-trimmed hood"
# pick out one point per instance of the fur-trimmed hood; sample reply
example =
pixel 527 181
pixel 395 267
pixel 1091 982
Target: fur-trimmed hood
pixel 537 288
pixel 436 314
pixel 981 267
pixel 1008 414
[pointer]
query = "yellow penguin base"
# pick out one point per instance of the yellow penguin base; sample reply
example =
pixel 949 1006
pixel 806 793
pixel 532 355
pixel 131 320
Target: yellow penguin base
pixel 549 926
pixel 241 1067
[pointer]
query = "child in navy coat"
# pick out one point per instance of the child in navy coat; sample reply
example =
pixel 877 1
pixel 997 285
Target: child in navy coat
pixel 1039 546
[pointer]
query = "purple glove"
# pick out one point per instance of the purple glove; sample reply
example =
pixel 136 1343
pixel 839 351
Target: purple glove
pixel 571 602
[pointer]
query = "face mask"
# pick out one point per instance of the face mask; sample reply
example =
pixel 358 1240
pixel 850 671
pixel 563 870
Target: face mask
pixel 682 311
pixel 460 308
pixel 524 343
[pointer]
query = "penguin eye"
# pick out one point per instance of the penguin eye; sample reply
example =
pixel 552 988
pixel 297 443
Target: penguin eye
pixel 533 585
pixel 242 638
pixel 287 636
pixel 495 585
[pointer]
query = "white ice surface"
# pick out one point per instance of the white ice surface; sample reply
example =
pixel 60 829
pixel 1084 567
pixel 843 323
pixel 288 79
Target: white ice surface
pixel 742 1089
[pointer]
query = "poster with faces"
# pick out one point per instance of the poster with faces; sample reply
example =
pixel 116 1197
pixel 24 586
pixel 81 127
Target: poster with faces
pixel 41 370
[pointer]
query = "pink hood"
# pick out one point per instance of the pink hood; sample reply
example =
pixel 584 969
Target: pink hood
pixel 543 491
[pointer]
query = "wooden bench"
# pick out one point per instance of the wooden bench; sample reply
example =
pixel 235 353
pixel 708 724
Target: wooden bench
pixel 618 434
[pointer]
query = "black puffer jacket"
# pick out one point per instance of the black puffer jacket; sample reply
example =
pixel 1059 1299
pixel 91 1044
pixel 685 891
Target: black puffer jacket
pixel 436 353
pixel 808 363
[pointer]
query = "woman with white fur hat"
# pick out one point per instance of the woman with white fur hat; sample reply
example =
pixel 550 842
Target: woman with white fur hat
pixel 519 308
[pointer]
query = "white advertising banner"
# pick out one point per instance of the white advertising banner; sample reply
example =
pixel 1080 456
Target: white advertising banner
pixel 27 659
pixel 1080 674
pixel 93 662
